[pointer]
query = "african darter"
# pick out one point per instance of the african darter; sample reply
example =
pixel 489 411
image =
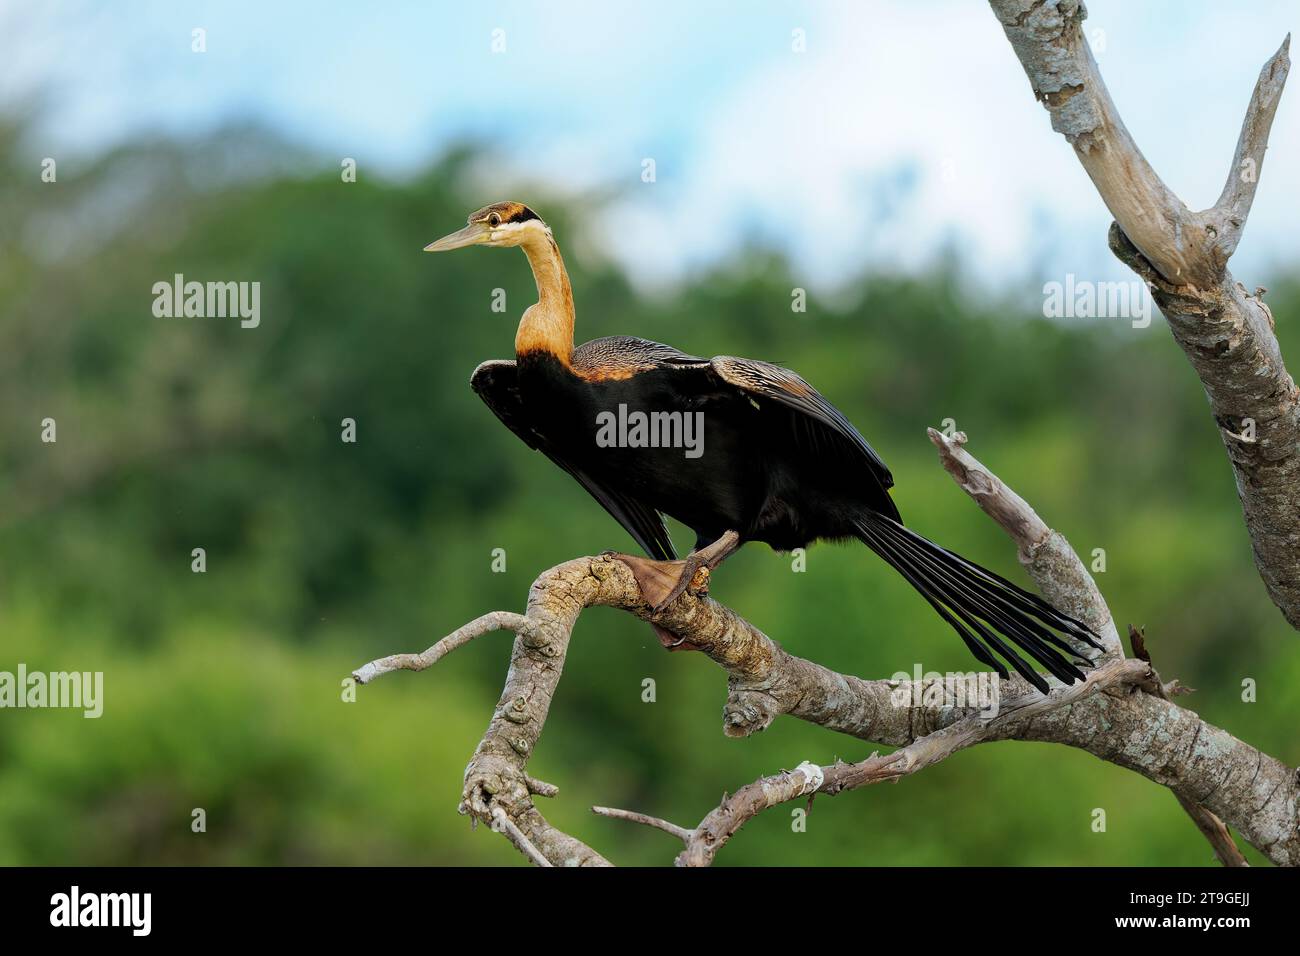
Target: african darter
pixel 778 463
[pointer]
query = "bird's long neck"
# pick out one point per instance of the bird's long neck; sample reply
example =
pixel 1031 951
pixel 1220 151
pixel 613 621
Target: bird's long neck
pixel 548 325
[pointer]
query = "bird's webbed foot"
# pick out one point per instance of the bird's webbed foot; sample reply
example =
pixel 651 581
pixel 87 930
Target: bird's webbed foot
pixel 663 582
pixel 657 579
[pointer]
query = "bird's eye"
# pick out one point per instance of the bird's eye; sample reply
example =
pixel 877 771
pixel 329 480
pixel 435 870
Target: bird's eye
pixel 494 220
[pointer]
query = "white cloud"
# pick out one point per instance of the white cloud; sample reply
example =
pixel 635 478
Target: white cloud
pixel 905 128
pixel 909 127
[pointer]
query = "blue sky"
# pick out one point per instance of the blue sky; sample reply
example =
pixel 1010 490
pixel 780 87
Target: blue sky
pixel 904 128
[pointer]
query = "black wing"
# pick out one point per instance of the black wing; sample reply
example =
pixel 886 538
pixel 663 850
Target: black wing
pixel 497 383
pixel 817 427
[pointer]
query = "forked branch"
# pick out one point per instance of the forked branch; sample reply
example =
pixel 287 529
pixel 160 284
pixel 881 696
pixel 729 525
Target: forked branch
pixel 1122 713
pixel 1226 333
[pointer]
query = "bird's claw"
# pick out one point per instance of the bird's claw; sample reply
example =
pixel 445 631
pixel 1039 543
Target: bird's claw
pixel 672 641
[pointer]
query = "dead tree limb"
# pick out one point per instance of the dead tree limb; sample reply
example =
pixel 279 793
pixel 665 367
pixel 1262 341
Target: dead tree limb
pixel 1226 333
pixel 1116 715
pixel 735 811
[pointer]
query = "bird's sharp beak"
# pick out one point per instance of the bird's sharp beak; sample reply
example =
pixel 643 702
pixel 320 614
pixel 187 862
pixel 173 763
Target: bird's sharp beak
pixel 472 235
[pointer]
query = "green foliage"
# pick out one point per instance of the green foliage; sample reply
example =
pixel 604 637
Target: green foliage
pixel 222 690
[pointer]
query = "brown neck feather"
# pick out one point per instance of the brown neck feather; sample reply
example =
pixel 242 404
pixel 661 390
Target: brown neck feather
pixel 548 325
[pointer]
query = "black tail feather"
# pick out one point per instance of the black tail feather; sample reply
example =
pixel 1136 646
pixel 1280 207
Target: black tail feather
pixel 969 597
pixel 936 593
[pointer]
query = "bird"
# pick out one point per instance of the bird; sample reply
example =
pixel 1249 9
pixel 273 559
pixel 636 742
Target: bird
pixel 739 451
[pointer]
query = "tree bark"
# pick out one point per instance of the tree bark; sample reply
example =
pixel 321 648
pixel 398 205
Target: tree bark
pixel 1226 332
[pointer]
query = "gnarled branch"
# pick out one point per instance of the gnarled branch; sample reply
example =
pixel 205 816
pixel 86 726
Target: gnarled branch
pixel 1118 714
pixel 1226 333
pixel 720 825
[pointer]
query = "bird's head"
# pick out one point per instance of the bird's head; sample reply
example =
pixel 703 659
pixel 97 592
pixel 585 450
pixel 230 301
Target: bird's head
pixel 501 224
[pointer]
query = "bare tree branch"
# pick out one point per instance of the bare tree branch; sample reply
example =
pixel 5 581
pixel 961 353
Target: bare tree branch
pixel 503 824
pixel 1056 569
pixel 1213 829
pixel 1045 554
pixel 1117 714
pixel 1059 572
pixel 1233 208
pixel 493 621
pixel 1226 333
pixel 631 816
pixel 748 802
